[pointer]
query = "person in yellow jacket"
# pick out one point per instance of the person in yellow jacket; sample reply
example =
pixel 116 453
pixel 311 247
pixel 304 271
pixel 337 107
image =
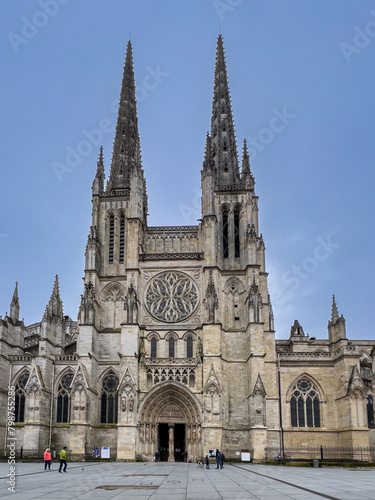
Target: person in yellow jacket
pixel 62 458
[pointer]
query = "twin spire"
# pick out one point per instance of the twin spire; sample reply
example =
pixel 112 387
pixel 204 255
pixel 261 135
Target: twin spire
pixel 126 154
pixel 221 158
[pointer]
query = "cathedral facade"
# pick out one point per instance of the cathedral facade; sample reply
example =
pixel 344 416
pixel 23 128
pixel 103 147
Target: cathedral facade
pixel 174 346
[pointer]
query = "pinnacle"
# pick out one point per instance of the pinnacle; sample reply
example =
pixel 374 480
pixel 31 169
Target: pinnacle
pixel 334 313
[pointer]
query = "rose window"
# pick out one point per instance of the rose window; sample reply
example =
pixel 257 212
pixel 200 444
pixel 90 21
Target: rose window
pixel 171 297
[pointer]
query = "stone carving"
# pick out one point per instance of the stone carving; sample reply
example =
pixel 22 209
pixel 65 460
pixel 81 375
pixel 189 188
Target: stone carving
pixel 87 309
pixel 171 296
pixel 254 302
pixel 131 305
pixel 211 300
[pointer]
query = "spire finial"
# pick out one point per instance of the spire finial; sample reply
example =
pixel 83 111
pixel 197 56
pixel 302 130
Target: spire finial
pixel 334 313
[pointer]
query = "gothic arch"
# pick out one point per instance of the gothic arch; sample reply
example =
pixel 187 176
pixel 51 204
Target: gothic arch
pixel 113 292
pixel 233 285
pixel 106 372
pixel 170 394
pixel 152 335
pixel 23 371
pixel 66 370
pixel 313 380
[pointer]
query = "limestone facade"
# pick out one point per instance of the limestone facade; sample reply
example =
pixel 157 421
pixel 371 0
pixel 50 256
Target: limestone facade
pixel 174 345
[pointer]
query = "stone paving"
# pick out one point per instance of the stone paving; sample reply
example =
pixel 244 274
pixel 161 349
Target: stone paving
pixel 178 481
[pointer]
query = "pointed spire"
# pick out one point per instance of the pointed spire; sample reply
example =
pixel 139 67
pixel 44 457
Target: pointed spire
pixel 207 167
pixel 246 175
pixel 15 305
pixel 126 147
pixel 54 308
pixel 98 183
pixel 222 129
pixel 334 313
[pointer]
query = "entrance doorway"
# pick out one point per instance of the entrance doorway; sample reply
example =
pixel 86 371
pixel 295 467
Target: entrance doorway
pixel 179 442
pixel 163 442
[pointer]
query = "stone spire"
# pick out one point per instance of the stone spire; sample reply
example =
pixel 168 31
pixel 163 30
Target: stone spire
pixel 223 138
pixel 208 165
pixel 334 313
pixel 54 308
pixel 246 175
pixel 15 305
pixel 98 183
pixel 126 148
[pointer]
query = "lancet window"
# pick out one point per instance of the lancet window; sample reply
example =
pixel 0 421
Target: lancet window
pixel 305 404
pixel 109 399
pixel 189 347
pixel 122 240
pixel 111 239
pixel 20 397
pixel 225 233
pixel 370 411
pixel 154 347
pixel 236 219
pixel 63 398
pixel 171 347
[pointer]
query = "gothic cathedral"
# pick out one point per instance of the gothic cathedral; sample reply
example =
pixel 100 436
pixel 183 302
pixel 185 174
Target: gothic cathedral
pixel 174 347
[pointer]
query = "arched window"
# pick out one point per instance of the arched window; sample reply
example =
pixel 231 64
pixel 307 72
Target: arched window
pixel 109 399
pixel 63 399
pixel 122 239
pixel 111 239
pixel 225 233
pixel 171 347
pixel 189 347
pixel 370 411
pixel 236 216
pixel 154 350
pixel 20 398
pixel 305 405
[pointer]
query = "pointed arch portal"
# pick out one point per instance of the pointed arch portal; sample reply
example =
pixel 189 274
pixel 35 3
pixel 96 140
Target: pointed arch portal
pixel 171 422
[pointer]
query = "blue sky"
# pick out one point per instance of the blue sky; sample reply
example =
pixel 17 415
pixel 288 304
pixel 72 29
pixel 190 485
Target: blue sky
pixel 310 62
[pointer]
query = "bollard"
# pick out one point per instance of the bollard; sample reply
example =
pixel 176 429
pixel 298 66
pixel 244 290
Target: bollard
pixel 315 463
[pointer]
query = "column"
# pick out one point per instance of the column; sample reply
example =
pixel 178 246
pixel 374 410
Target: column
pixel 171 443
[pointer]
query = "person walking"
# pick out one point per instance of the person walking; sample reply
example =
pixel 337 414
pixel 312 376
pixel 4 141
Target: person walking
pixel 217 459
pixel 157 456
pixel 222 458
pixel 47 459
pixel 207 462
pixel 62 458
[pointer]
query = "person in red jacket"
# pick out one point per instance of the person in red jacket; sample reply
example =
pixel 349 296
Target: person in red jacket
pixel 47 459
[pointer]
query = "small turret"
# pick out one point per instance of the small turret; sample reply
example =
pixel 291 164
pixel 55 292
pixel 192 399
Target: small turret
pixel 246 176
pixel 336 326
pixel 15 305
pixel 54 309
pixel 98 183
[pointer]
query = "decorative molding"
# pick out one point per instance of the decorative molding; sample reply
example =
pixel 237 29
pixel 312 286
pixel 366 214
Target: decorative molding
pixel 171 256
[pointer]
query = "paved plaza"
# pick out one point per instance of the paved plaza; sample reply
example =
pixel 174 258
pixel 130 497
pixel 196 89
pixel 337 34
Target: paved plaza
pixel 178 481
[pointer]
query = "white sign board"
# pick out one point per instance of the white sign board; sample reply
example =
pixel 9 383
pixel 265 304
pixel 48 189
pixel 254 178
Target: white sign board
pixel 105 452
pixel 245 457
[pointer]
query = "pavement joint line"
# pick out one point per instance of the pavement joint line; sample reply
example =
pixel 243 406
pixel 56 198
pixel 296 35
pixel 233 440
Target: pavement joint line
pixel 41 471
pixel 289 484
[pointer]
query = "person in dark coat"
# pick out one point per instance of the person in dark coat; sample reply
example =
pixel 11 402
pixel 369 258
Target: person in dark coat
pixel 207 462
pixel 218 459
pixel 222 458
